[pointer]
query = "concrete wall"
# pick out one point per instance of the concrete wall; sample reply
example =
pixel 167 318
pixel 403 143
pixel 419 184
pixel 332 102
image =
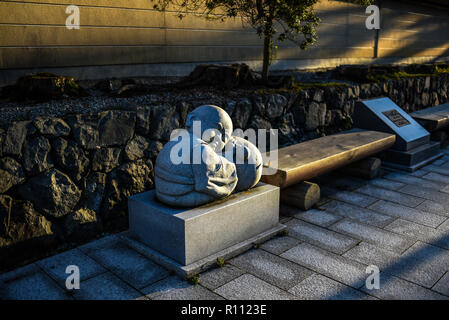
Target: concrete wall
pixel 122 32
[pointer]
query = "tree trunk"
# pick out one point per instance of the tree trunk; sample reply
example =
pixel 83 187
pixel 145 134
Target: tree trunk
pixel 267 47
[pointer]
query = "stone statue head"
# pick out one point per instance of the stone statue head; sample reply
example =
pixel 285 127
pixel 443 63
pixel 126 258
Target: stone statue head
pixel 216 125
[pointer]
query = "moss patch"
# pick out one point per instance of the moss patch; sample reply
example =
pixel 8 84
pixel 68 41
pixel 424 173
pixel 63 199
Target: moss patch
pixel 397 75
pixel 301 86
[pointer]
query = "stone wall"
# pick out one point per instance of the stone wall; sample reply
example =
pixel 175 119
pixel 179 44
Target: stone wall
pixel 67 179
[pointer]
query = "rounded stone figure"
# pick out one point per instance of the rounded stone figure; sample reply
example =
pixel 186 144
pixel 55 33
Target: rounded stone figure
pixel 191 168
pixel 248 161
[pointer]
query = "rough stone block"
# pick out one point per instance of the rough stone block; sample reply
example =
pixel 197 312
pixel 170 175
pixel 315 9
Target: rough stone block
pixel 189 235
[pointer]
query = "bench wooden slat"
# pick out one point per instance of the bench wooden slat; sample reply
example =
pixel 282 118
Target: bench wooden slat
pixel 433 118
pixel 309 159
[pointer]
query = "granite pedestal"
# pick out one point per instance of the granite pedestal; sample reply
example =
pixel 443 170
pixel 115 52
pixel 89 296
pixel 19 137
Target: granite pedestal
pixel 412 149
pixel 188 240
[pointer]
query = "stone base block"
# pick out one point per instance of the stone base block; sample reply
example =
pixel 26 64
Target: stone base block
pixel 205 263
pixel 413 159
pixel 189 235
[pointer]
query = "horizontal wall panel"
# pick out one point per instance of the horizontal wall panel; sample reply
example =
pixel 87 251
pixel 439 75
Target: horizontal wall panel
pixel 60 36
pixel 212 54
pixel 324 53
pixel 212 37
pixel 32 14
pixel 413 52
pixel 140 4
pixel 438 37
pixel 408 43
pixel 81 56
pixel 191 21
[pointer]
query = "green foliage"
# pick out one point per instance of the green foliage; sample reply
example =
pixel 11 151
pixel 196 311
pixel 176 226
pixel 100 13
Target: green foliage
pixel 195 279
pixel 122 213
pixel 347 123
pixel 220 262
pixel 441 69
pixel 378 77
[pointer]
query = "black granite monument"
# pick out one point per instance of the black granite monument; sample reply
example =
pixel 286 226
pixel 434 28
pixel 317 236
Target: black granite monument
pixel 413 148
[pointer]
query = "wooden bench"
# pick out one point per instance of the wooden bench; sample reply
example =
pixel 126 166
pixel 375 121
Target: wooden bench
pixel 307 160
pixel 433 118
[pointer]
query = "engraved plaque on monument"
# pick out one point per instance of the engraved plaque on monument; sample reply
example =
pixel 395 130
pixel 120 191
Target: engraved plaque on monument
pixel 413 148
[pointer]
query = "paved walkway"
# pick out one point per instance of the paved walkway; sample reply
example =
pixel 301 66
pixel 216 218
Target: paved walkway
pixel 399 223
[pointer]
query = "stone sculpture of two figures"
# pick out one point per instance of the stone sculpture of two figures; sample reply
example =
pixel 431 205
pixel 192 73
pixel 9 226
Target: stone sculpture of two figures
pixel 205 162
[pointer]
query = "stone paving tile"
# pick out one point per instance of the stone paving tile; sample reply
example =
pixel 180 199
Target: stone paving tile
pixel 442 285
pixel 419 173
pixel 323 200
pixel 272 269
pixel 358 199
pixel 248 287
pixel 174 288
pixel 444 226
pixel 320 237
pixel 334 266
pixel 433 176
pixel 100 242
pixel 386 184
pixel 422 264
pixel 394 288
pixel 218 276
pixel 390 195
pixel 436 169
pixel 29 283
pixel 369 254
pixel 409 179
pixel 426 234
pixel 358 214
pixel 280 244
pixel 318 287
pixel 105 286
pixel 126 263
pixel 407 213
pixel 286 210
pixel 439 162
pixel 434 207
pixel 426 193
pixel 56 266
pixel 318 217
pixel 373 235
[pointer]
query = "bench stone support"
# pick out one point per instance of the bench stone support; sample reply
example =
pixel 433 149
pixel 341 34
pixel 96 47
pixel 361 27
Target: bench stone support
pixel 366 169
pixel 303 195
